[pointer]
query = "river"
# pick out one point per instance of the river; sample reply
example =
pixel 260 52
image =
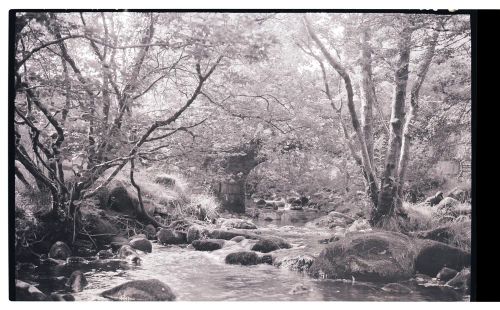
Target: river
pixel 204 276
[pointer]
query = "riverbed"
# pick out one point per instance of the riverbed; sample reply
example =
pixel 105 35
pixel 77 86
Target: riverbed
pixel 204 276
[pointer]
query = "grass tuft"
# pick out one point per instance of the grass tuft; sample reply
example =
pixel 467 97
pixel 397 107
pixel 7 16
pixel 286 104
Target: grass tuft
pixel 180 200
pixel 423 217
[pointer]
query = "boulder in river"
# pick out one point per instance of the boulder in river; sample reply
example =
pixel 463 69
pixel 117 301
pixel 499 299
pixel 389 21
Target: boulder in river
pixel 28 292
pixel 266 259
pixel 238 223
pixel 208 244
pixel 128 253
pixel 169 236
pixel 150 232
pixel 300 263
pixel 266 245
pixel 140 290
pixel 76 281
pixel 446 274
pixel 193 233
pixel 141 244
pixel 126 250
pixel 379 256
pixel 60 250
pixel 230 234
pixel 242 258
pixel 433 256
pixel 461 281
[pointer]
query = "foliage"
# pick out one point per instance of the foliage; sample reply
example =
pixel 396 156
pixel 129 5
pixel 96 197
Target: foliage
pixel 182 92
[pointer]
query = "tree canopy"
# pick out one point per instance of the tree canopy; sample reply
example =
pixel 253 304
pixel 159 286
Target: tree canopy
pixel 362 101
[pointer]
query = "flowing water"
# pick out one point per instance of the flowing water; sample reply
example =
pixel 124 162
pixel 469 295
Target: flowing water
pixel 203 276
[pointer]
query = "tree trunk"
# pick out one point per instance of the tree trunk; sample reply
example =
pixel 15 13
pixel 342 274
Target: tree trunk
pixel 143 214
pixel 407 134
pixel 388 196
pixel 21 177
pixel 67 89
pixel 367 167
pixel 369 93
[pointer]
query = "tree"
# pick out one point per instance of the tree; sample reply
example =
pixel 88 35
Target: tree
pixel 386 198
pixel 92 113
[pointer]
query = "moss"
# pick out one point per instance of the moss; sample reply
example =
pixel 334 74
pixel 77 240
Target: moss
pixel 266 245
pixel 376 256
pixel 242 258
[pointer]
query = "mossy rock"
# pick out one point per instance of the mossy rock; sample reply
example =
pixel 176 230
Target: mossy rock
pixel 208 244
pixel 120 200
pixel 60 250
pixel 76 281
pixel 102 197
pixel 238 224
pixel 300 263
pixel 373 257
pixel 242 258
pixel 140 290
pixel 141 244
pixel 170 236
pixel 433 256
pixel 230 234
pixel 28 292
pixel 266 245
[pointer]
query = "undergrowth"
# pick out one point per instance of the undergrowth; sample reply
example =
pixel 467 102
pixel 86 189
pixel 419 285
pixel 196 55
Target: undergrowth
pixel 423 217
pixel 179 200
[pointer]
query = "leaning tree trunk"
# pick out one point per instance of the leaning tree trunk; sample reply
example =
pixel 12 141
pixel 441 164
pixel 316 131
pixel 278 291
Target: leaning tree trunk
pixel 388 195
pixel 21 177
pixel 407 134
pixel 142 214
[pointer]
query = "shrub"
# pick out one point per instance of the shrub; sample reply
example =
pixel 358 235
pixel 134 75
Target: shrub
pixel 204 207
pixel 179 200
pixel 422 217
